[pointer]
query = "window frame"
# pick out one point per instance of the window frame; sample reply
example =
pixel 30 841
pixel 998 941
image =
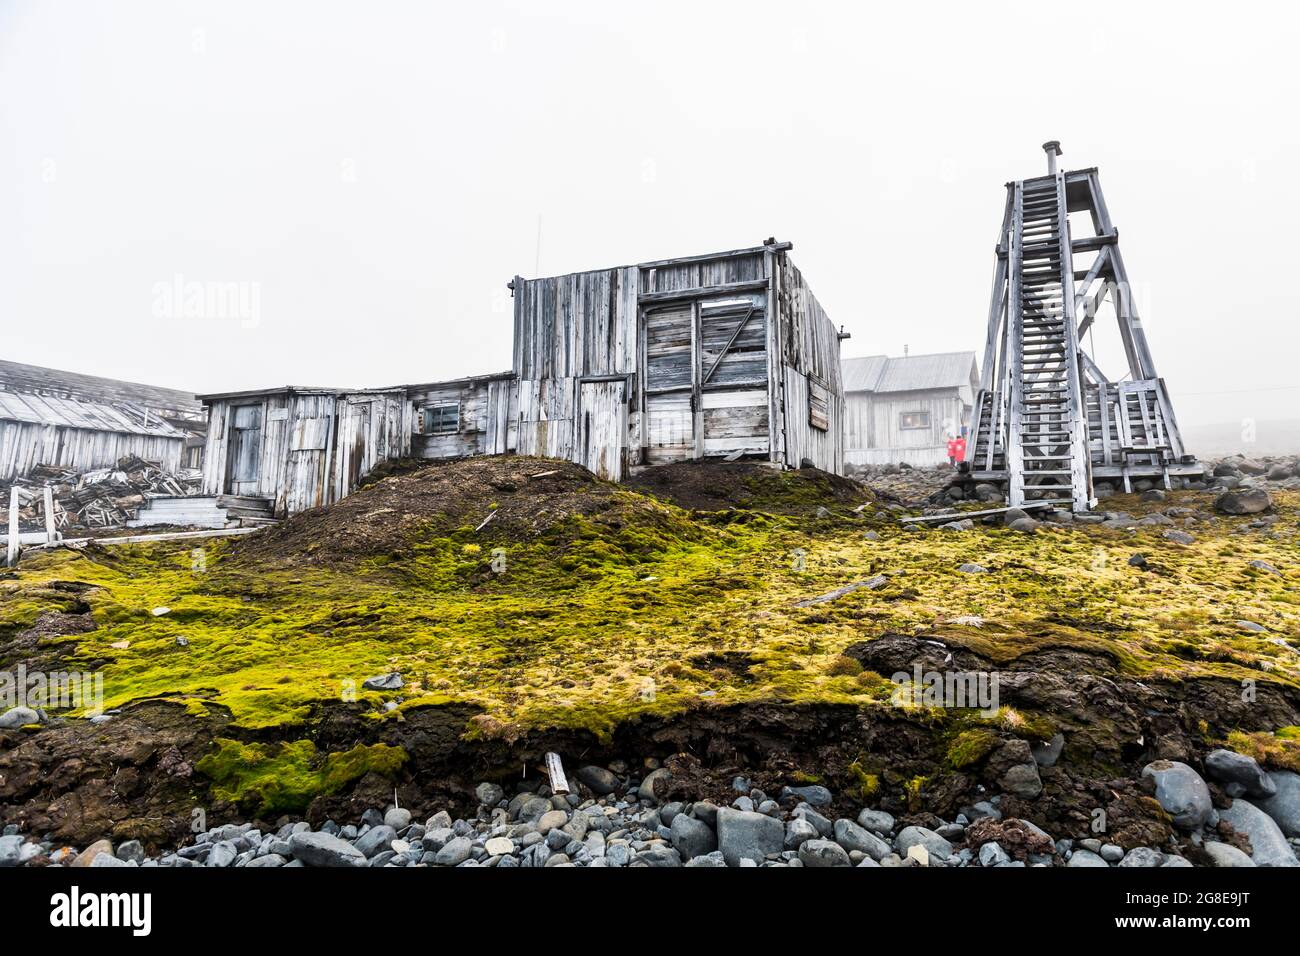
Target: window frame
pixel 922 413
pixel 436 428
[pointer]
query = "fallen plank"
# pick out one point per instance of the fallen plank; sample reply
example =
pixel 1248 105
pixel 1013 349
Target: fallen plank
pixel 960 515
pixel 871 584
pixel 555 773
pixel 146 538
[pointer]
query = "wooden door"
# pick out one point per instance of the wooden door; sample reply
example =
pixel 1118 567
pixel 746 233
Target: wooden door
pixel 602 427
pixel 671 373
pixel 734 375
pixel 245 450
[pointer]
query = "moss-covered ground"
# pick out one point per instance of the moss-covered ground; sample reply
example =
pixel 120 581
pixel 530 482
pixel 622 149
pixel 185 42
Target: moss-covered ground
pixel 591 623
pixel 634 606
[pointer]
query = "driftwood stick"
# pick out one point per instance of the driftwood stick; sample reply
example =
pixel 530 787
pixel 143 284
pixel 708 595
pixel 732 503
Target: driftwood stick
pixel 555 770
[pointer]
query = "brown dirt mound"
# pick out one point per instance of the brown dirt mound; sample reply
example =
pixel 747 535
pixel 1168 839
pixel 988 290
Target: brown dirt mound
pixel 523 497
pixel 719 485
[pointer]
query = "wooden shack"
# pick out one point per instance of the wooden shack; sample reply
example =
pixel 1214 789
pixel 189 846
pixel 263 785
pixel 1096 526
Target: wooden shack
pixel 904 409
pixel 465 416
pixel 300 448
pixel 83 422
pixel 720 355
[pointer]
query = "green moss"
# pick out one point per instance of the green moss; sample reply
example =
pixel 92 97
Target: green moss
pixel 1280 750
pixel 970 747
pixel 597 620
pixel 285 778
pixel 865 783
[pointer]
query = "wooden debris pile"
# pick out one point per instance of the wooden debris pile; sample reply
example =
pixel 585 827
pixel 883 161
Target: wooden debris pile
pixel 101 498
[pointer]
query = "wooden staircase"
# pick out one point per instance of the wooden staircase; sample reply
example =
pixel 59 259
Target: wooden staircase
pixel 204 511
pixel 1047 453
pixel 1047 420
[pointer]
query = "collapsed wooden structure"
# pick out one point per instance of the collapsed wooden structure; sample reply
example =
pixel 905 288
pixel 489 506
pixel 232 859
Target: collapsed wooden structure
pixel 721 355
pixel 67 421
pixel 1048 420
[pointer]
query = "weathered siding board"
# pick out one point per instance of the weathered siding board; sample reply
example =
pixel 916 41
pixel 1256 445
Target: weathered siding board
pixel 873 431
pixel 24 445
pixel 314 445
pixel 487 406
pixel 810 354
pixel 602 426
pixel 707 343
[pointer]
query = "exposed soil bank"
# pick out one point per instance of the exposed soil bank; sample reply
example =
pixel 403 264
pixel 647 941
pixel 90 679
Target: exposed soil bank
pixel 135 776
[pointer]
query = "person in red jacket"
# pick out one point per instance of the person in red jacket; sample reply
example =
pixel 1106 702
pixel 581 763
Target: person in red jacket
pixel 956 450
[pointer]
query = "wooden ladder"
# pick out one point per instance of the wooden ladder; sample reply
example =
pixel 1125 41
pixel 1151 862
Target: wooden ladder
pixel 1047 454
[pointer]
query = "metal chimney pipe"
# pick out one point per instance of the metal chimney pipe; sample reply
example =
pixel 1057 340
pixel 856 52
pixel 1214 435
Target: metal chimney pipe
pixel 1053 149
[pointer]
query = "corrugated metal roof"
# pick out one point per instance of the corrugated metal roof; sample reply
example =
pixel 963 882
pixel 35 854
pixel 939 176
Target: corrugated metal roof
pixel 17 377
pixel 908 373
pixel 47 410
pixel 862 374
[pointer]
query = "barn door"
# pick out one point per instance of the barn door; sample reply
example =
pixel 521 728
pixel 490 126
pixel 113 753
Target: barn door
pixel 733 375
pixel 245 450
pixel 602 425
pixel 671 364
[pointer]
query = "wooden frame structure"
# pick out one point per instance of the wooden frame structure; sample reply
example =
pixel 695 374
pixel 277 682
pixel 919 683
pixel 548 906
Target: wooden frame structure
pixel 1048 421
pixel 722 355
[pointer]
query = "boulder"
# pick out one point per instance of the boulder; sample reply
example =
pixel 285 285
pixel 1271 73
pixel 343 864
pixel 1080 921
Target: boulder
pixel 1181 792
pixel 934 844
pixel 647 789
pixel 390 681
pixel 17 717
pixel 376 840
pixel 1082 858
pixel 814 795
pixel 87 856
pixel 853 837
pixel 1268 845
pixel 1284 805
pixel 744 835
pixel 598 780
pixel 1226 855
pixel 1243 501
pixel 691 837
pixel 877 821
pixel 322 849
pixel 1226 766
pixel 823 853
pixel 798 831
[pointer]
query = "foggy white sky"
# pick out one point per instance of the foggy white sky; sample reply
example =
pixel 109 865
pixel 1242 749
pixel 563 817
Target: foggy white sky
pixel 375 172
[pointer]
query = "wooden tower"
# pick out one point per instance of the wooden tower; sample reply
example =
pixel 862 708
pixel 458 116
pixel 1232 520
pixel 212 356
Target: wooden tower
pixel 1048 421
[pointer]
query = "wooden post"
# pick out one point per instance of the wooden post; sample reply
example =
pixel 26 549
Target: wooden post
pixel 11 558
pixel 555 770
pixel 51 535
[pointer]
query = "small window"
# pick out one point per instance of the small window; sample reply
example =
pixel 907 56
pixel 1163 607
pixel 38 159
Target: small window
pixel 908 420
pixel 442 419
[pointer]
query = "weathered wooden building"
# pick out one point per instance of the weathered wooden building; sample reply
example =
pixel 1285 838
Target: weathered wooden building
pixel 82 422
pixel 465 416
pixel 904 409
pixel 300 448
pixel 718 355
pixel 722 355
